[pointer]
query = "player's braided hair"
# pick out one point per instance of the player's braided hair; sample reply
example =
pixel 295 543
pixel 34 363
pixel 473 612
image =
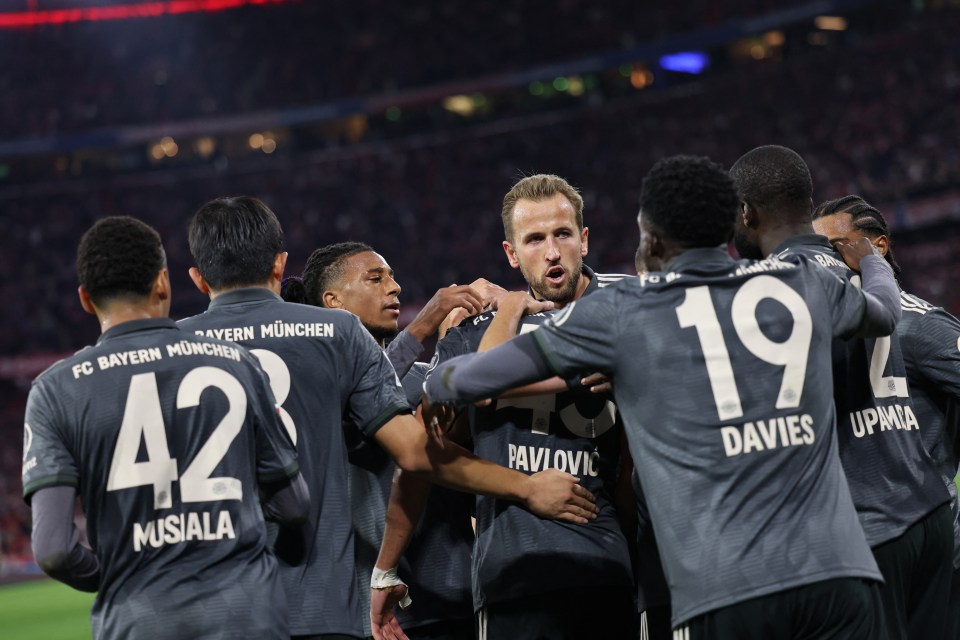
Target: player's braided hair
pixel 325 269
pixel 691 199
pixel 775 179
pixel 292 290
pixel 119 257
pixel 235 241
pixel 865 218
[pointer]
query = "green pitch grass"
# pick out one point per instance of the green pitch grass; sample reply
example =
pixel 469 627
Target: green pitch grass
pixel 44 610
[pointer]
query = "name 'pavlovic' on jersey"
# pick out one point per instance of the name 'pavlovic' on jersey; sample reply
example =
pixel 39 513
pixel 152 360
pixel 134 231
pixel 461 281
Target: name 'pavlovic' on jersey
pixel 518 554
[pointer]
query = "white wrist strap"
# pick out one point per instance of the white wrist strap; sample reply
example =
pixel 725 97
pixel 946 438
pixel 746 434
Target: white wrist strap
pixel 385 579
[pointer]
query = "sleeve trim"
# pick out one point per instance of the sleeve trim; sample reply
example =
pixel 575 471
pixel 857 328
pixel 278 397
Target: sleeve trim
pixel 50 481
pixel 374 425
pixel 290 471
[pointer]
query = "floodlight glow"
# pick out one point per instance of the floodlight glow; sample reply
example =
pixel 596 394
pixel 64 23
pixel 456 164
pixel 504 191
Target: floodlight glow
pixel 685 61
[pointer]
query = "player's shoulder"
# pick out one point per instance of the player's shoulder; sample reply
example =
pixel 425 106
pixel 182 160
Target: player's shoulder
pixel 62 365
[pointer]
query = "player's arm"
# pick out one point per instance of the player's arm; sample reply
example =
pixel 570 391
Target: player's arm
pixel 56 540
pixel 286 502
pixel 549 494
pixel 880 289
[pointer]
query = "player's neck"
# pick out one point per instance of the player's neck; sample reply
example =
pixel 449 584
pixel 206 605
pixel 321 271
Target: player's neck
pixel 782 232
pixel 119 313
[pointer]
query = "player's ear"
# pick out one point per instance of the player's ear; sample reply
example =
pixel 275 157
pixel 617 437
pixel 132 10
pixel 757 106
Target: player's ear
pixel 161 285
pixel 198 281
pixel 748 213
pixel 279 265
pixel 511 254
pixel 882 243
pixel 583 241
pixel 85 300
pixel 331 300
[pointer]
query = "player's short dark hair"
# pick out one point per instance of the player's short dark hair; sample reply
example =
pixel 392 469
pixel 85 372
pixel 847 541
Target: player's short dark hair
pixel 325 268
pixel 292 290
pixel 690 199
pixel 775 179
pixel 119 257
pixel 235 241
pixel 865 217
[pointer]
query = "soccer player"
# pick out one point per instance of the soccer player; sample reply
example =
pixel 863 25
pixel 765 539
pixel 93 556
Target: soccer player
pixel 168 438
pixel 721 370
pixel 896 487
pixel 930 337
pixel 436 565
pixel 533 578
pixel 324 366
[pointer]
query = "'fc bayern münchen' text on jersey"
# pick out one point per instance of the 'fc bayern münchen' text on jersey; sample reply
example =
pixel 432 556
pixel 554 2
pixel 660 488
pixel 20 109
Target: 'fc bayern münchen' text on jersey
pixel 892 478
pixel 721 371
pixel 323 367
pixel 930 337
pixel 166 435
pixel 518 554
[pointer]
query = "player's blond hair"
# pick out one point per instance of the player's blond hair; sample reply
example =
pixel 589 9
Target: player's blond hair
pixel 537 188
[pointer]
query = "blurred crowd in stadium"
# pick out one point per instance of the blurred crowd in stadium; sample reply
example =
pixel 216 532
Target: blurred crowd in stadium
pixel 873 110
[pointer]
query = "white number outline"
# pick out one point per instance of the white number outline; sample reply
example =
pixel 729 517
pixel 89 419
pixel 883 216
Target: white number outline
pixel 278 375
pixel 698 311
pixel 143 418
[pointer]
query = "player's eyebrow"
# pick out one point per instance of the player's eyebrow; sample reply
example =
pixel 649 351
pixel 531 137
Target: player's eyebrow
pixel 380 271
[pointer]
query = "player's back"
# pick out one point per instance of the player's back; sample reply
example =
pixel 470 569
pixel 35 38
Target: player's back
pixel 323 367
pixel 892 478
pixel 930 337
pixel 166 436
pixel 516 553
pixel 722 375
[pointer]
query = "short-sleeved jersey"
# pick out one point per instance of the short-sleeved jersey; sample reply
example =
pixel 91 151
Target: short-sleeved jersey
pixel 930 337
pixel 518 554
pixel 892 478
pixel 166 436
pixel 436 562
pixel 721 371
pixel 323 366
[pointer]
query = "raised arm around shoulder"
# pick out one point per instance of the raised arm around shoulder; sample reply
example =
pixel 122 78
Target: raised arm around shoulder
pixel 882 297
pixel 56 540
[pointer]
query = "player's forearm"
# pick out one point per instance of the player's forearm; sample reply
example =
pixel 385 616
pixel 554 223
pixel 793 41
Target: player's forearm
pixel 476 376
pixel 56 540
pixel 404 350
pixel 457 468
pixel 408 499
pixel 287 503
pixel 882 297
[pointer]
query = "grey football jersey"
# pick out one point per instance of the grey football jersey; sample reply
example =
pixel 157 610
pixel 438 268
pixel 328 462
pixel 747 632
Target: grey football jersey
pixel 930 337
pixel 518 554
pixel 166 435
pixel 721 372
pixel 892 478
pixel 436 562
pixel 323 367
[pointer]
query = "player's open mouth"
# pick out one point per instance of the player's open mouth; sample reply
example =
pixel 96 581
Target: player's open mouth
pixel 555 275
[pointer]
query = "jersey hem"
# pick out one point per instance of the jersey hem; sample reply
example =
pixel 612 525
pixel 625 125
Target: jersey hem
pixel 683 617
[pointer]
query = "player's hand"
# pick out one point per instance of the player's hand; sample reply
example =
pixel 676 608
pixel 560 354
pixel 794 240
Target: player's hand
pixel 445 300
pixel 383 620
pixel 598 383
pixel 437 419
pixel 453 319
pixel 490 293
pixel 853 252
pixel 523 302
pixel 558 495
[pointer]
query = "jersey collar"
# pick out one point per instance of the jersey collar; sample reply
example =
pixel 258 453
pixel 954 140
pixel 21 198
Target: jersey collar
pixel 239 296
pixel 804 240
pixel 132 326
pixel 699 257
